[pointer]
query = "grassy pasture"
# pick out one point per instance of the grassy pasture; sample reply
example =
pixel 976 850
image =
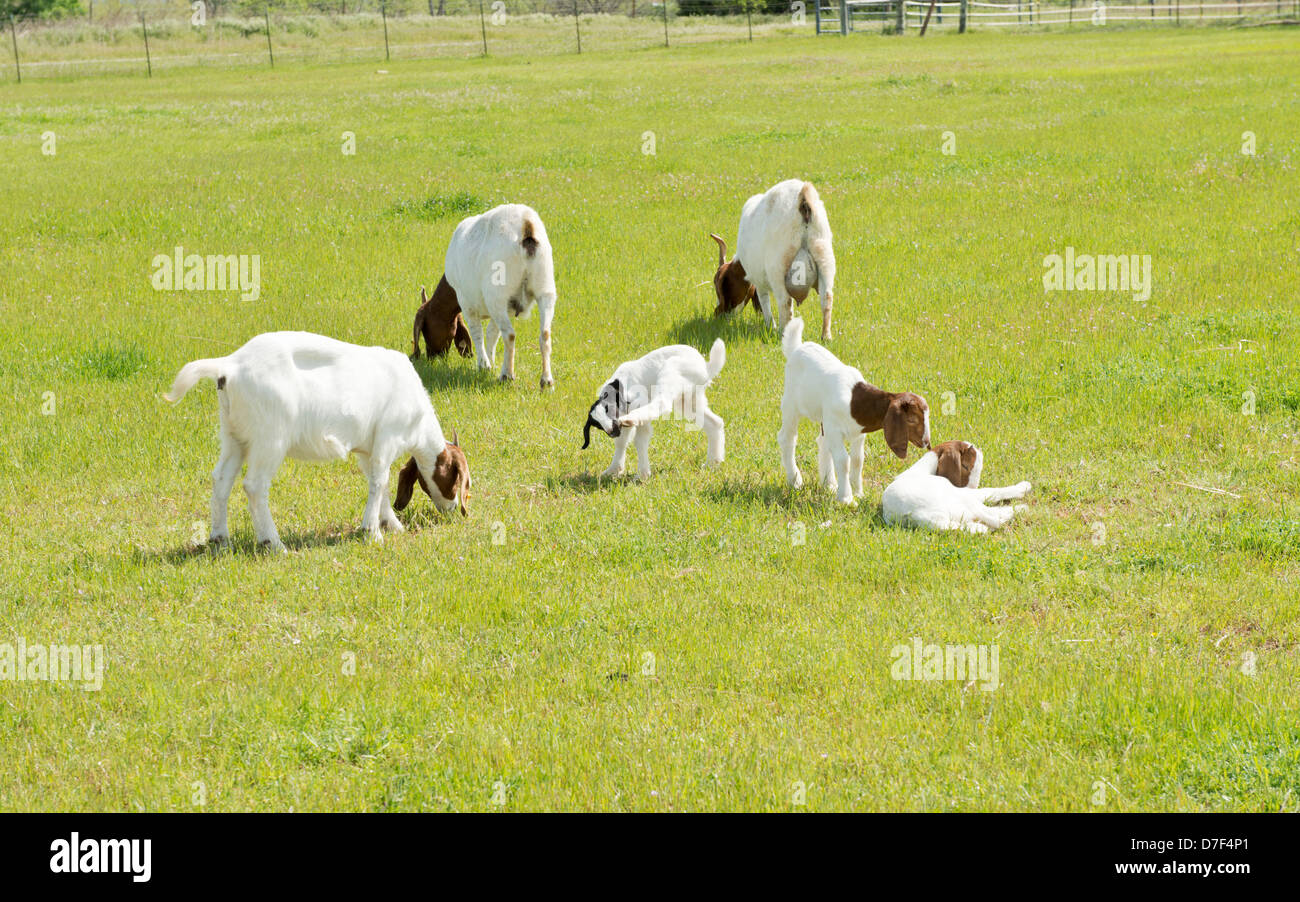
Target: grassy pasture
pixel 501 661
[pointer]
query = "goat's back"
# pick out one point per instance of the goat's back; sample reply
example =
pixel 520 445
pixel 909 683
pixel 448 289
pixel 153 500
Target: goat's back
pixel 320 394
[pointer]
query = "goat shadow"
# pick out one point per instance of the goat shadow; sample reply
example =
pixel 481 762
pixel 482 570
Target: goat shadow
pixel 590 483
pixel 812 500
pixel 243 544
pixel 451 372
pixel 744 324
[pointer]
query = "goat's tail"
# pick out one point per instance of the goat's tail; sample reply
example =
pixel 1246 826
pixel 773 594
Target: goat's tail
pixel 191 373
pixel 529 239
pixel 792 337
pixel 717 358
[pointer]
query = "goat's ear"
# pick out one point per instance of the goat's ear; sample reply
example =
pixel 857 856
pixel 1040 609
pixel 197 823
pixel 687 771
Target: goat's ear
pixel 462 487
pixel 455 438
pixel 406 481
pixel 424 298
pixel 950 465
pixel 896 427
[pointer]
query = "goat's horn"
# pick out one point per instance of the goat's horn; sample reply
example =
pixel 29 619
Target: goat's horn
pixel 455 438
pixel 722 248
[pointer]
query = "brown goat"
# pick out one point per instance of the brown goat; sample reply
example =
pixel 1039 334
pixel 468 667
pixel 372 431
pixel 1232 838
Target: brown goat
pixel 439 320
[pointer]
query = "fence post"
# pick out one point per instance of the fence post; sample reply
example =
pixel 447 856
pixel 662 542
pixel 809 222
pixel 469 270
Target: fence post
pixel 961 23
pixel 144 28
pixel 13 33
pixel 576 29
pixel 1070 20
pixel 901 24
pixel 482 24
pixel 383 13
pixel 844 16
pixel 929 12
pixel 266 12
pixel 817 16
pixel 665 23
pixel 749 20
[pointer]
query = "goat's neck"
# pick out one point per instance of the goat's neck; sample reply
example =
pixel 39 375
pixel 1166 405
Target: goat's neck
pixel 868 406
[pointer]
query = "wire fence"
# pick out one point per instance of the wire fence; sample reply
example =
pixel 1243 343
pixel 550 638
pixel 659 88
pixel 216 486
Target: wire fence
pixel 113 36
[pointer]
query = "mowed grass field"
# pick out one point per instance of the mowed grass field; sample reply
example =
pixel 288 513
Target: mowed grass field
pixel 583 645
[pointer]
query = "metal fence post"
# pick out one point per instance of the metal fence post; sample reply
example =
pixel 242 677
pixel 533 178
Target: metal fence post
pixel 576 28
pixel 13 33
pixel 482 24
pixel 266 13
pixel 148 60
pixel 961 23
pixel 383 13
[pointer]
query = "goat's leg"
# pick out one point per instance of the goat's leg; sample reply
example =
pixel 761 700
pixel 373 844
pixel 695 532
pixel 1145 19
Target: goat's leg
pixel 507 329
pixel 765 304
pixel 713 428
pixel 474 326
pixel 642 439
pixel 377 482
pixel 491 335
pixel 787 438
pixel 857 448
pixel 617 465
pixel 1007 493
pixel 223 480
pixel 825 472
pixel 545 313
pixel 783 302
pixel 840 461
pixel 992 517
pixel 263 463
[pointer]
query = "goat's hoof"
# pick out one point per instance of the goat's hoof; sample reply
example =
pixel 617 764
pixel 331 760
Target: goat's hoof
pixel 374 536
pixel 612 473
pixel 218 543
pixel 548 382
pixel 506 377
pixel 273 545
pixel 849 501
pixel 393 525
pixel 643 475
pixel 713 463
pixel 797 482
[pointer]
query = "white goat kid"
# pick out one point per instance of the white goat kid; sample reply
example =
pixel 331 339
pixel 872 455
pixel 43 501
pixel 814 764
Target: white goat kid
pixel 667 380
pixel 499 264
pixel 822 389
pixel 941 492
pixel 784 247
pixel 295 394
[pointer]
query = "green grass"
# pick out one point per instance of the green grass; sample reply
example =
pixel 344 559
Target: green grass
pixel 1124 601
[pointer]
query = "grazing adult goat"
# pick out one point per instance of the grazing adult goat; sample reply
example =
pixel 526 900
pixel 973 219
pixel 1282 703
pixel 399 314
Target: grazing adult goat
pixel 295 394
pixel 783 251
pixel 499 265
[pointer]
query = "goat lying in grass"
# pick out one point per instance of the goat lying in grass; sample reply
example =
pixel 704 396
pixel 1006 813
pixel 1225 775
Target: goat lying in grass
pixel 941 491
pixel 667 380
pixel 305 396
pixel 818 386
